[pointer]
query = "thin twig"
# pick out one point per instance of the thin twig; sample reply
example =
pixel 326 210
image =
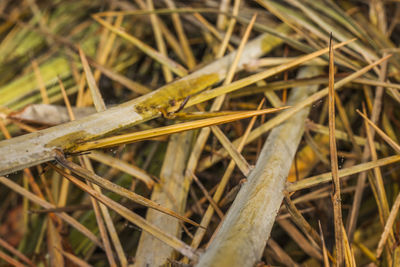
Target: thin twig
pixel 336 200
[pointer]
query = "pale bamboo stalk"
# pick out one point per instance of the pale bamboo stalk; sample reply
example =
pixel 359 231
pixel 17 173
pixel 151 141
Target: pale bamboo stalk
pixel 171 193
pixel 220 188
pixel 35 148
pixel 242 237
pixel 193 159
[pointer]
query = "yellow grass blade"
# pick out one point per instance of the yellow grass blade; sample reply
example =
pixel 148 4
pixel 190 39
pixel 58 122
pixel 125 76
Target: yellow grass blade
pixel 132 217
pixel 123 166
pixel 94 90
pixel 37 200
pixel 336 199
pixel 92 177
pixel 165 61
pixel 176 128
pixel 327 177
pixel 206 95
pixel 384 136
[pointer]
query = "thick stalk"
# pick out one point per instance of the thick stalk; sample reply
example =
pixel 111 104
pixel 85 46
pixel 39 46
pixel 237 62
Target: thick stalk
pixel 242 237
pixel 35 148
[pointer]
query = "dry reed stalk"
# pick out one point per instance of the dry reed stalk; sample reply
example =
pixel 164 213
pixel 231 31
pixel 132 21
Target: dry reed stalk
pixel 35 148
pixel 247 226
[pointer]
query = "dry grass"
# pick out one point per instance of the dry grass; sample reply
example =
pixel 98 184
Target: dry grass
pixel 110 110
